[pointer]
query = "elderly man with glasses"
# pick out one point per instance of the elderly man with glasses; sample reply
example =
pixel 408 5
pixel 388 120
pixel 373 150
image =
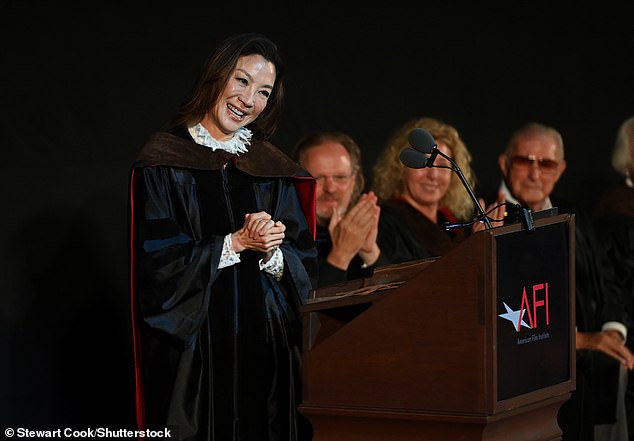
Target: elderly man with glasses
pixel 531 165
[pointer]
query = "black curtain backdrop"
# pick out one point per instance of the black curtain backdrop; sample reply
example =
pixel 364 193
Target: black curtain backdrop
pixel 83 88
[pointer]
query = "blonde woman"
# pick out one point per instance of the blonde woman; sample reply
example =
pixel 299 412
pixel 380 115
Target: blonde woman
pixel 416 203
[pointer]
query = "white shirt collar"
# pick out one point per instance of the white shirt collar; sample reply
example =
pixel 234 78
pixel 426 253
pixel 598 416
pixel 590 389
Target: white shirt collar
pixel 236 145
pixel 509 197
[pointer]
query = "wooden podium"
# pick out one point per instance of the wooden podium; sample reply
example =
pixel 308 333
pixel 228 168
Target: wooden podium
pixel 475 345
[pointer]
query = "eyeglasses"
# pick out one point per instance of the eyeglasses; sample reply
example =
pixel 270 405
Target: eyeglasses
pixel 337 179
pixel 546 166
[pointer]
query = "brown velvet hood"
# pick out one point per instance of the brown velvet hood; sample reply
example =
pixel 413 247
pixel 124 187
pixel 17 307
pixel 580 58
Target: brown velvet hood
pixel 263 159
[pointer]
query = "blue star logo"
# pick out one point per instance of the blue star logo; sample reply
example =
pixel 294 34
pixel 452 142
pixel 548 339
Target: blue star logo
pixel 514 317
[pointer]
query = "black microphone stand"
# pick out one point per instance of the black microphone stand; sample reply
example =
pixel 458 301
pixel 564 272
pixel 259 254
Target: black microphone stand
pixel 482 215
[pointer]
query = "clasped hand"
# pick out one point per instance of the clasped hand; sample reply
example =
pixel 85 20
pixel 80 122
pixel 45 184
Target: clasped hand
pixel 259 233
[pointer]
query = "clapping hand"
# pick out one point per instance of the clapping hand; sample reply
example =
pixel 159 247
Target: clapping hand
pixel 355 232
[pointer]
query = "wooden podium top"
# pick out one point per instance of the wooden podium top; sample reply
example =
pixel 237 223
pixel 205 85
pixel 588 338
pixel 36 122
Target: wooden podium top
pixel 384 280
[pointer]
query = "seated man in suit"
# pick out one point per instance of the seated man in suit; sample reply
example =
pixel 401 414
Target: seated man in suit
pixel 531 164
pixel 346 219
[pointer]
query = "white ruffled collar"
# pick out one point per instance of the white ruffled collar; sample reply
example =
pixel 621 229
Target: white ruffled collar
pixel 236 145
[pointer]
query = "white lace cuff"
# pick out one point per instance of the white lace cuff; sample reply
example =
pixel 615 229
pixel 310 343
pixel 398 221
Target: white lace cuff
pixel 615 326
pixel 275 265
pixel 229 256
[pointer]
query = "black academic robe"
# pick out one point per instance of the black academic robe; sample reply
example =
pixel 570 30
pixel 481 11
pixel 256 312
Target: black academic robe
pixel 614 223
pixel 406 234
pixel 217 351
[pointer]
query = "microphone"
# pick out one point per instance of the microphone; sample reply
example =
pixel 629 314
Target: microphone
pixel 423 143
pixel 421 140
pixel 412 158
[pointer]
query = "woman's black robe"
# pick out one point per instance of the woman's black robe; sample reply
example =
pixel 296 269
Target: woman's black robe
pixel 217 351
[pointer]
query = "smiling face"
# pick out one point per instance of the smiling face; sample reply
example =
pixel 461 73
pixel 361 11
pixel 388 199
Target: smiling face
pixel 331 165
pixel 423 188
pixel 532 168
pixel 243 98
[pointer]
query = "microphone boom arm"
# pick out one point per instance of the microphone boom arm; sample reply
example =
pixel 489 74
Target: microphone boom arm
pixel 482 215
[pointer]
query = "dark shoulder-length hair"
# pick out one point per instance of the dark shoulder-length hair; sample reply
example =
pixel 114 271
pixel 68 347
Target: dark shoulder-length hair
pixel 216 74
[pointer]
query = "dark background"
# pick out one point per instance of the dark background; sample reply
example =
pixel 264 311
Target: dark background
pixel 83 88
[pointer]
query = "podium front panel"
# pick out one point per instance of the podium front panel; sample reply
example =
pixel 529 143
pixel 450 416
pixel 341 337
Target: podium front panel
pixel 533 310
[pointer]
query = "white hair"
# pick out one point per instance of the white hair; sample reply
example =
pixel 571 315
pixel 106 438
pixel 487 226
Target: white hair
pixel 622 155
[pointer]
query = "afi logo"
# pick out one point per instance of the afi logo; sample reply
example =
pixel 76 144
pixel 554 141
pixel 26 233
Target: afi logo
pixel 536 298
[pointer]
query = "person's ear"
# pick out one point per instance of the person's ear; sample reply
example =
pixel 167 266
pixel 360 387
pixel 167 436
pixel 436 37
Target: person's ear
pixel 503 163
pixel 562 168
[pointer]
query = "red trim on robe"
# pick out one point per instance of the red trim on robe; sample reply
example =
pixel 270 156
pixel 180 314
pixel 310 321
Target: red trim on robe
pixel 136 332
pixel 307 192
